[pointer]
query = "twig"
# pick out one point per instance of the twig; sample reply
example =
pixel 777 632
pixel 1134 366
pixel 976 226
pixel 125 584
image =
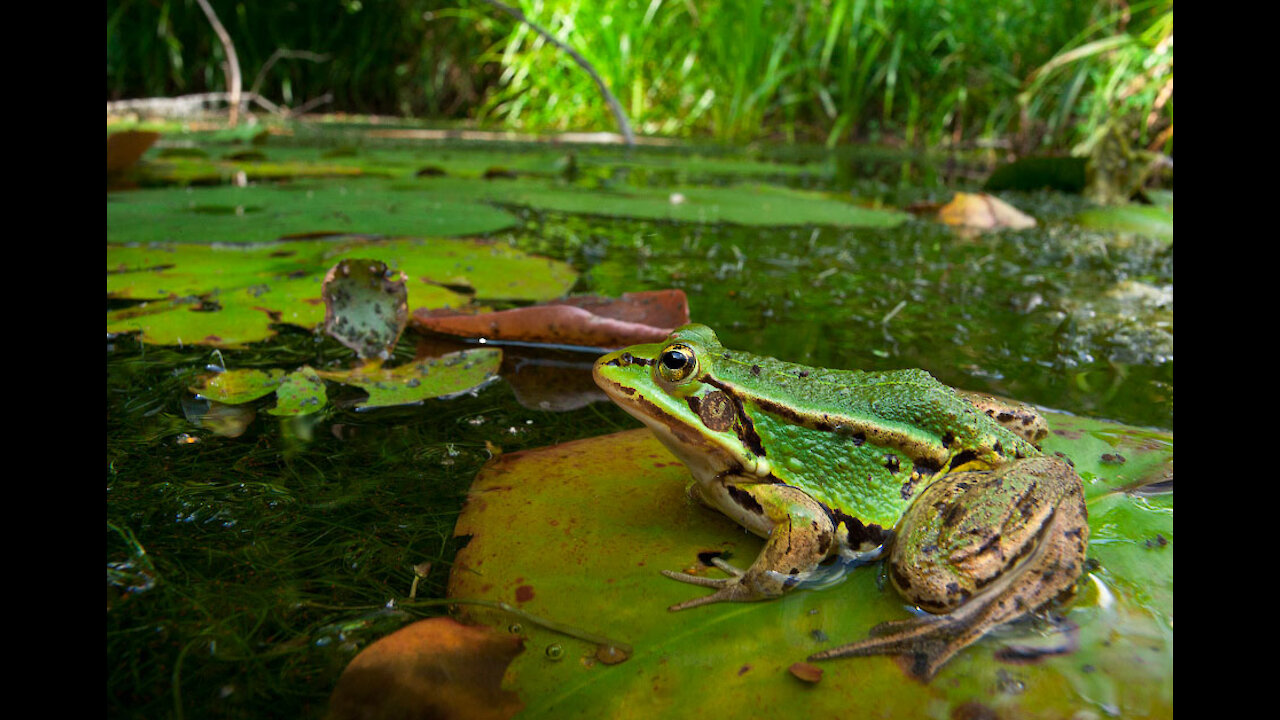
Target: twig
pixel 233 63
pixel 285 54
pixel 307 106
pixel 614 105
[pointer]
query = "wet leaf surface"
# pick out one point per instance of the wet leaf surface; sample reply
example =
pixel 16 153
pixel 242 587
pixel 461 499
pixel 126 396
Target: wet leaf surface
pixel 421 379
pixel 233 387
pixel 597 519
pixel 435 668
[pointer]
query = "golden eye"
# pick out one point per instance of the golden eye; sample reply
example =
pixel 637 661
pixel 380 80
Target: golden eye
pixel 677 363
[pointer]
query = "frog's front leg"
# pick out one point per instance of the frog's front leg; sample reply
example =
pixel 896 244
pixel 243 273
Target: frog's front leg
pixel 798 534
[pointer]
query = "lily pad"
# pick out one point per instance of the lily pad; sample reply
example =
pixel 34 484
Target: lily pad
pixel 741 204
pixel 230 295
pixel 260 213
pixel 594 563
pixel 1150 220
pixel 234 387
pixel 421 379
pixel 301 392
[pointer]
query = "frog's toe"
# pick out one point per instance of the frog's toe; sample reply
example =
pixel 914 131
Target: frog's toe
pixel 697 579
pixel 730 591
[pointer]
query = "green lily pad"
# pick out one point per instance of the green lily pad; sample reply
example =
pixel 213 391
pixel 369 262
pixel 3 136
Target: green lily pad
pixel 233 387
pixel 422 379
pixel 599 518
pixel 741 204
pixel 301 392
pixel 230 295
pixel 1152 220
pixel 260 213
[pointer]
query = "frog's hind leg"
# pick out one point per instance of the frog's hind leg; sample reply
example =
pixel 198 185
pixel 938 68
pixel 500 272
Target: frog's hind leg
pixel 1043 504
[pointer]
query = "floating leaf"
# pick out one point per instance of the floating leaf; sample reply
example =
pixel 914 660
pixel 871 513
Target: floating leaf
pixel 246 288
pixel 595 564
pixel 261 213
pixel 126 147
pixel 586 321
pixel 979 211
pixel 301 392
pixel 434 668
pixel 1151 220
pixel 233 387
pixel 421 379
pixel 366 306
pixel 741 204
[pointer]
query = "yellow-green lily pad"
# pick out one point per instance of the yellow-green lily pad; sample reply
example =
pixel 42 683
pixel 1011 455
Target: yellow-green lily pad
pixel 597 519
pixel 421 379
pixel 234 387
pixel 230 295
pixel 301 392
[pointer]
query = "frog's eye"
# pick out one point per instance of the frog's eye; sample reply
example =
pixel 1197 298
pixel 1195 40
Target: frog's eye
pixel 677 363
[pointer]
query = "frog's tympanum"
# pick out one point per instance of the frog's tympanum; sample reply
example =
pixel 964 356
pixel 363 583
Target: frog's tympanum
pixel 839 467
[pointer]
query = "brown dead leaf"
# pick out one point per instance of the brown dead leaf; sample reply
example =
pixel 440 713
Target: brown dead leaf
pixel 586 321
pixel 125 147
pixel 979 211
pixel 434 668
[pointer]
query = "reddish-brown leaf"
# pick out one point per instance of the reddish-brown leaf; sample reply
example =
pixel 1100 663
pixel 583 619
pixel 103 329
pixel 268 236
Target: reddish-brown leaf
pixel 434 668
pixel 587 321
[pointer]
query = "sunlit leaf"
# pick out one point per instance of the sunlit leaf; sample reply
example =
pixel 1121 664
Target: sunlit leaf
pixel 599 518
pixel 979 211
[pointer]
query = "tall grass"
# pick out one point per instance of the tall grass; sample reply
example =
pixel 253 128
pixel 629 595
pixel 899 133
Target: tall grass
pixel 914 71
pixel 1037 74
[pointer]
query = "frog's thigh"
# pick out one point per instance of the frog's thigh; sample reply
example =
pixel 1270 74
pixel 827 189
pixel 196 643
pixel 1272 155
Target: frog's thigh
pixel 980 535
pixel 1015 417
pixel 799 533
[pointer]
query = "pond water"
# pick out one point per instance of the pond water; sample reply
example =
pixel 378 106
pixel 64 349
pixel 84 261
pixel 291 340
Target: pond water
pixel 245 572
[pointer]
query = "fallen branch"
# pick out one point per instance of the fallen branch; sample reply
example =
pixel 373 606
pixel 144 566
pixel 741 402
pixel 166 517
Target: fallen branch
pixel 614 105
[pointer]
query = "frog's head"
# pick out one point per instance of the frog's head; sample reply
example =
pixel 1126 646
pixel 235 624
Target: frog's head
pixel 672 387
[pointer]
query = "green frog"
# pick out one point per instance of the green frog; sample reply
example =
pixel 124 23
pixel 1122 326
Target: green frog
pixel 836 468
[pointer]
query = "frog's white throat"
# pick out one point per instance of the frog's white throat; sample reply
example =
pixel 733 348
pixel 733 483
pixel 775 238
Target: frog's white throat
pixel 704 457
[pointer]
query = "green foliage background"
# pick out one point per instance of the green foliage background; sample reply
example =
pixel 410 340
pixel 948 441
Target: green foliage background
pixel 1032 74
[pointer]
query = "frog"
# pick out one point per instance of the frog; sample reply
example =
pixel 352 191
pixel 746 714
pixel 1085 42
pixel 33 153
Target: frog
pixel 947 491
